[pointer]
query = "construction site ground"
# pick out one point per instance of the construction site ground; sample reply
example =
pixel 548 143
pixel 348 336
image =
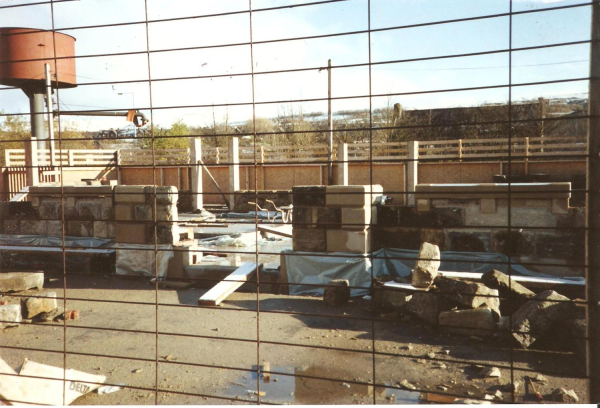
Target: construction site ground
pixel 119 340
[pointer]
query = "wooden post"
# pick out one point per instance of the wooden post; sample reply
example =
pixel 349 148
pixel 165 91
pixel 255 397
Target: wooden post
pixel 412 171
pixel 342 164
pixel 196 187
pixel 330 122
pixel 592 271
pixel 234 168
pixel 31 162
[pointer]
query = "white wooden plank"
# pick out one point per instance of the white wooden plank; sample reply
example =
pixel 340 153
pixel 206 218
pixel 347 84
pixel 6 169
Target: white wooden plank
pixel 282 230
pixel 229 285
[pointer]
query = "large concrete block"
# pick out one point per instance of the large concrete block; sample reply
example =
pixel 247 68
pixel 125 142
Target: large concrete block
pixel 20 281
pixel 356 218
pixel 10 314
pixel 143 213
pixel 352 196
pixel 129 233
pixel 123 212
pixel 87 191
pixel 472 322
pixel 309 240
pixel 329 217
pixel 358 242
pixel 469 294
pixel 41 303
pixel 164 195
pixel 309 196
pixel 89 210
pixel 130 194
pixel 534 319
pixel 426 268
pixel 304 217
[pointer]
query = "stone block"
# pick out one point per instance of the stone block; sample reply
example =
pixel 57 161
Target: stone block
pixel 100 229
pixel 164 195
pixel 166 213
pixel 309 196
pixel 89 210
pixel 143 213
pixel 130 194
pixel 54 228
pixel 469 241
pixel 358 242
pixel 129 233
pixel 506 286
pixel 427 265
pixel 12 227
pixel 43 302
pixel 356 196
pixel 107 202
pixel 423 205
pixel 70 202
pixel 80 228
pixel 309 240
pixel 536 317
pixel 4 210
pixel 427 306
pixel 487 205
pixel 471 322
pixel 469 294
pixel 35 201
pixel 123 212
pixel 50 209
pixel 10 314
pixel 33 227
pixel 87 191
pixel 21 210
pixel 356 218
pixel 20 281
pixel 388 215
pixel 560 206
pixel 337 292
pixel 304 217
pixel 166 234
pixel 387 300
pixel 112 233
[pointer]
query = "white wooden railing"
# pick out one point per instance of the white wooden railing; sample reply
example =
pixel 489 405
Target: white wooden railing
pixel 485 149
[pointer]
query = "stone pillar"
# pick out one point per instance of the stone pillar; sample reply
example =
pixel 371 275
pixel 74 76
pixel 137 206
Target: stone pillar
pixel 196 185
pixel 412 172
pixel 342 164
pixel 31 162
pixel 234 169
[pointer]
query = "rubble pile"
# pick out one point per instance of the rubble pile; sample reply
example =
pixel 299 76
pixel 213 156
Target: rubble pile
pixel 495 305
pixel 41 306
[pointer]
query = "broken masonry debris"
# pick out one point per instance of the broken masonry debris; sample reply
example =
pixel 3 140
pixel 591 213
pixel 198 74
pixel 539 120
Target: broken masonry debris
pixel 427 266
pixel 337 292
pixel 43 302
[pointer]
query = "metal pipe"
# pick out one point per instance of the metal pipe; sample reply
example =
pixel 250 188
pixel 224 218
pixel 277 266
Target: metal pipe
pixel 36 109
pixel 50 116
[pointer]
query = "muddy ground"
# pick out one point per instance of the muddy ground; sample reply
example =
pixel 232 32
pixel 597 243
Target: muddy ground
pixel 119 340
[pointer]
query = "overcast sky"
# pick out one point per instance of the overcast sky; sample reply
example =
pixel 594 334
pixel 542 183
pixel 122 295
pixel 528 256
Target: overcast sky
pixel 455 38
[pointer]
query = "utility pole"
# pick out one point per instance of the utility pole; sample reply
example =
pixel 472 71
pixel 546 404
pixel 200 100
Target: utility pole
pixel 50 106
pixel 593 214
pixel 330 121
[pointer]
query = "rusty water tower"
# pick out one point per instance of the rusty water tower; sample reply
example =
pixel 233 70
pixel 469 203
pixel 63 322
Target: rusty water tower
pixel 24 53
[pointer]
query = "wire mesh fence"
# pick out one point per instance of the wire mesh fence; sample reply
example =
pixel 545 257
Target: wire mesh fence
pixel 327 202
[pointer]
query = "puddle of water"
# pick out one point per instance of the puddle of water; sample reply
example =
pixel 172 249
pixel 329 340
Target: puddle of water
pixel 296 389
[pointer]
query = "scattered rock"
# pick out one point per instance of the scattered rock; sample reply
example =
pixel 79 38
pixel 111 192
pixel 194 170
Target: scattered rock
pixel 565 396
pixel 540 378
pixel 537 316
pixel 408 347
pixel 10 314
pixel 346 385
pixel 498 394
pixel 431 355
pixel 469 294
pixel 427 266
pixel 137 370
pixel 20 281
pixel 442 388
pixel 33 306
pixel 51 315
pixel 407 385
pixel 491 372
pixel 337 292
pixel 468 322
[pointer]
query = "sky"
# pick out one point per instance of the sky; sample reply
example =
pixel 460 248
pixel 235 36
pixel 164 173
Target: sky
pixel 168 97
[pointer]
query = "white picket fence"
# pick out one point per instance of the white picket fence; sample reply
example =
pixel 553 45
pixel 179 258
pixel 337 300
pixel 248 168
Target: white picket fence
pixel 486 149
